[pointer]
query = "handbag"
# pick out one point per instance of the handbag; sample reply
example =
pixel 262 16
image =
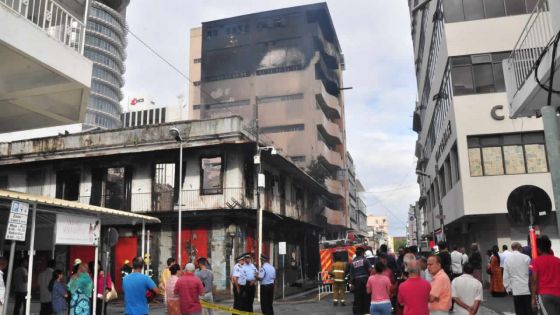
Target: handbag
pixel 111 295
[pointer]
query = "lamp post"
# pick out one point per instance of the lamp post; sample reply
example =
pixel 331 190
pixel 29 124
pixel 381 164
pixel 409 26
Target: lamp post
pixel 175 133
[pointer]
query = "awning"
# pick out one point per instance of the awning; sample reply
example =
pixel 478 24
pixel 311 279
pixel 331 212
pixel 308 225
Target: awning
pixel 107 216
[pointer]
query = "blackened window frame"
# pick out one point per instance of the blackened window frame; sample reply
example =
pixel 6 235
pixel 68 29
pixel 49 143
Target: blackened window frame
pixel 211 191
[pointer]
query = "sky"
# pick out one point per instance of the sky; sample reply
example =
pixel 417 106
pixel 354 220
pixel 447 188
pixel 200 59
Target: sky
pixel 375 39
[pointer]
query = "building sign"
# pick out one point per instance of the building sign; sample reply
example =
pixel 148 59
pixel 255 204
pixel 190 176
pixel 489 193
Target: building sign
pixel 17 223
pixel 76 230
pixel 494 112
pixel 282 248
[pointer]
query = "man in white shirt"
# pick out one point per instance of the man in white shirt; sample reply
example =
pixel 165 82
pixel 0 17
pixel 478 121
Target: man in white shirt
pixel 465 258
pixel 45 294
pixel 467 292
pixel 456 263
pixel 3 265
pixel 516 279
pixel 505 253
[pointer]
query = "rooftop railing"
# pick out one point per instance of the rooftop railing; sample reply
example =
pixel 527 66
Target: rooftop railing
pixel 52 18
pixel 536 35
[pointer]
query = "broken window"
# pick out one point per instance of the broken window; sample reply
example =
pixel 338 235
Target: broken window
pixel 68 184
pixel 35 181
pixel 163 187
pixel 211 169
pixel 111 187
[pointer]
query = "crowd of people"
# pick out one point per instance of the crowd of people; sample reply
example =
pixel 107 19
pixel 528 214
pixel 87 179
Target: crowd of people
pixel 442 282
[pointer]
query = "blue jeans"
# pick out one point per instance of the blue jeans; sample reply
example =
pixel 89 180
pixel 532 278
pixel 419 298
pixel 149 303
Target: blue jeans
pixel 380 309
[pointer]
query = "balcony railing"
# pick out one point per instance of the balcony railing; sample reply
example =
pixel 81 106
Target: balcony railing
pixel 535 36
pixel 52 18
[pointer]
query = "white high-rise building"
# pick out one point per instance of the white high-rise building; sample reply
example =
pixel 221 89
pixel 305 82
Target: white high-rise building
pixel 479 171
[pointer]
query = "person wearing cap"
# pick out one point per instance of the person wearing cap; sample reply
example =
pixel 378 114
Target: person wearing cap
pixel 267 275
pixel 239 281
pixel 338 273
pixel 251 273
pixel 126 269
pixel 189 288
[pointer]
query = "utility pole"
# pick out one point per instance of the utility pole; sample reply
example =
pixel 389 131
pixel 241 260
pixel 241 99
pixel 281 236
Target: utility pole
pixel 551 123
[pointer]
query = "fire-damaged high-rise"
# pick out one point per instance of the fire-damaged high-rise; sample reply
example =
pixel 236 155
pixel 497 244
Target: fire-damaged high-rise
pixel 283 67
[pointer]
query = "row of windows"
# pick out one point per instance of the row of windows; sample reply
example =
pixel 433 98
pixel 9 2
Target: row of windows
pixel 280 69
pixel 280 98
pixel 228 76
pixel 101 58
pixel 481 73
pixel 101 121
pixel 105 90
pixel 103 105
pixel 507 154
pixel 447 177
pixel 422 40
pixel 105 16
pixel 144 117
pixel 222 104
pixel 105 75
pixel 106 31
pixel 97 42
pixel 444 100
pixel 467 10
pixel 284 128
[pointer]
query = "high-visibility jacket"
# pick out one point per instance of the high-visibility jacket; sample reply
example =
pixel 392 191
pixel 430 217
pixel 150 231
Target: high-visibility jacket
pixel 338 271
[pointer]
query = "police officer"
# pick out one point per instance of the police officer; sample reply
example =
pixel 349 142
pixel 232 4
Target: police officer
pixel 126 269
pixel 338 272
pixel 251 276
pixel 267 274
pixel 239 281
pixel 359 274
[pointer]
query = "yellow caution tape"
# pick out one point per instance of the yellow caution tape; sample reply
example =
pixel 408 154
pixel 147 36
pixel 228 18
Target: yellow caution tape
pixel 225 308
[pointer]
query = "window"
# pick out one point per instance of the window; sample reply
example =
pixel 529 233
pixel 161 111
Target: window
pixel 494 8
pixel 507 154
pixel 468 10
pixel 474 9
pixel 280 98
pixel 68 184
pixel 211 169
pixel 4 183
pixel 111 187
pixel 475 74
pixel 285 128
pixel 163 186
pixel 197 60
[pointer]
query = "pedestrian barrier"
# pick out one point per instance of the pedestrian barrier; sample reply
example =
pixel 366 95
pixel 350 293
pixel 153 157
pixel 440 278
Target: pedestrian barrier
pixel 231 310
pixel 325 284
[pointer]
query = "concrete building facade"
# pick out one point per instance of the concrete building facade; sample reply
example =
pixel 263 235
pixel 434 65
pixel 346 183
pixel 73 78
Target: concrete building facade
pixel 474 162
pixel 44 76
pixel 136 169
pixel 378 230
pixel 283 67
pixel 356 206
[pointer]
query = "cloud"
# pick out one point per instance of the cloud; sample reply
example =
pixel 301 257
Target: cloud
pixel 375 38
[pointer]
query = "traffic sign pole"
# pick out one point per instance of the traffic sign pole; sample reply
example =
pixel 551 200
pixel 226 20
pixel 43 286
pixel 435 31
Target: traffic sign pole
pixel 9 279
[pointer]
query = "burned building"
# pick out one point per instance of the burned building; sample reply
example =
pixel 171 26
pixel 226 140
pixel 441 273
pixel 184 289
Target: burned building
pixel 283 67
pixel 137 170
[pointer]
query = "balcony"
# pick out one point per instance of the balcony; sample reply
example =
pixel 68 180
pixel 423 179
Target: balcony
pixel 166 201
pixel 328 76
pixel 331 159
pixel 525 96
pixel 328 103
pixel 329 131
pixel 334 217
pixel 44 78
pixel 335 187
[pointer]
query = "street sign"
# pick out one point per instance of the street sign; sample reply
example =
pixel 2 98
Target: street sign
pixel 282 248
pixel 17 223
pixel 76 230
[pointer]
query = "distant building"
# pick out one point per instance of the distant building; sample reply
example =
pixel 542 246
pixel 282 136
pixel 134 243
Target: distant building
pixel 143 111
pixel 411 227
pixel 286 65
pixel 378 230
pixel 356 205
pixel 105 45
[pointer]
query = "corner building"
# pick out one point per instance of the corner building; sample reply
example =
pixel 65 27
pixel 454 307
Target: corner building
pixel 284 67
pixel 474 162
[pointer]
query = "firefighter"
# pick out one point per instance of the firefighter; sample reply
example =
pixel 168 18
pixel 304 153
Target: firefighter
pixel 338 273
pixel 360 269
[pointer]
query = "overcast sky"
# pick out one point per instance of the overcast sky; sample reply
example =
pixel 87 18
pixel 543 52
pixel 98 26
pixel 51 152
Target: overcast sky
pixel 375 39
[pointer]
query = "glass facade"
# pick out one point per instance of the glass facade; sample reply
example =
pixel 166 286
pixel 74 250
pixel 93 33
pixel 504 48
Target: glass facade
pixel 105 45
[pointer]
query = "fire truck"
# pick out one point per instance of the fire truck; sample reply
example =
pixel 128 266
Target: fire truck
pixel 344 248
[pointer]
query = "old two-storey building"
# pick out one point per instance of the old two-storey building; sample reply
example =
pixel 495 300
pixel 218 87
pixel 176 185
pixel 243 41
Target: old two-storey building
pixel 137 170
